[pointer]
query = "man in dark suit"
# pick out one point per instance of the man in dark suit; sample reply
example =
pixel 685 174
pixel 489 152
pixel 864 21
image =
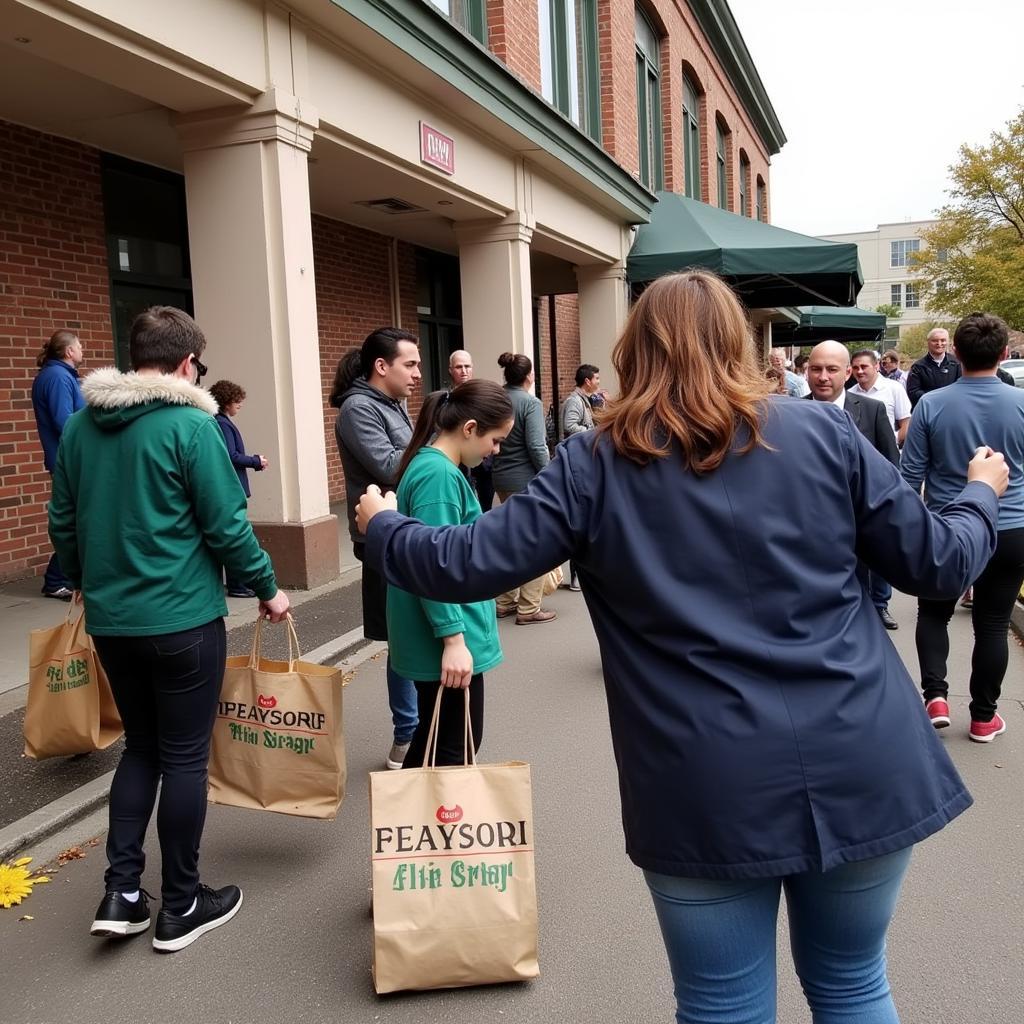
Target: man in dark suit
pixel 828 370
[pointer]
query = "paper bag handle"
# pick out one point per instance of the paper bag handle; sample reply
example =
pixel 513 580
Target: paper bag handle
pixel 294 652
pixel 468 748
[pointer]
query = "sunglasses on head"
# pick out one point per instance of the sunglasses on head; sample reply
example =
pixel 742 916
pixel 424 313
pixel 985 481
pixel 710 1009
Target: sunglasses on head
pixel 200 368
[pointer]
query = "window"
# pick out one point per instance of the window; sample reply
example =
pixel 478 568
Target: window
pixel 896 295
pixel 439 314
pixel 722 166
pixel 570 79
pixel 899 249
pixel 744 178
pixel 691 138
pixel 469 15
pixel 913 296
pixel 761 212
pixel 648 102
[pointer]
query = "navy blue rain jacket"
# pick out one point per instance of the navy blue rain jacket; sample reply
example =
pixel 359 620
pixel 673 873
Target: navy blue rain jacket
pixel 56 394
pixel 763 723
pixel 236 449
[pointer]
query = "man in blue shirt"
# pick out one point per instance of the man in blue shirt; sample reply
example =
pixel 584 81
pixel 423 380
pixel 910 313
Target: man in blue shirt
pixel 949 424
pixel 55 396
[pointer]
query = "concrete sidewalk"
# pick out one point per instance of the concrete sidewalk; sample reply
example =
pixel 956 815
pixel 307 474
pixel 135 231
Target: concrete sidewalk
pixel 300 948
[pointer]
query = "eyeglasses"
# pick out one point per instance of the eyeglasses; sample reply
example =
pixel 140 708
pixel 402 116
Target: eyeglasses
pixel 200 369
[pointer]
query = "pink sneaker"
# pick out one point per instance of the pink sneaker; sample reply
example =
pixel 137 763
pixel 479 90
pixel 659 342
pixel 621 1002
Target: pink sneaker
pixel 986 732
pixel 938 712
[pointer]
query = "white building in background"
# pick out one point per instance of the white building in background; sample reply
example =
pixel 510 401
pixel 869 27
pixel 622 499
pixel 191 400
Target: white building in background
pixel 885 263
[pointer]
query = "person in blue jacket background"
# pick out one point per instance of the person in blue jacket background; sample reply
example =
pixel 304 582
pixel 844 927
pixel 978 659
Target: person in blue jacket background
pixel 56 394
pixel 229 398
pixel 767 735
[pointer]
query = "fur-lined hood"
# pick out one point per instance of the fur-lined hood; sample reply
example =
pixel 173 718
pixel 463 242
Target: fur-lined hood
pixel 115 399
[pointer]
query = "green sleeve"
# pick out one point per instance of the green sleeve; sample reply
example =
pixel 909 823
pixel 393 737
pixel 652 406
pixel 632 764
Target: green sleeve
pixel 220 509
pixel 63 531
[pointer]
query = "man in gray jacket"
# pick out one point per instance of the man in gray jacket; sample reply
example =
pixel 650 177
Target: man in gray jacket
pixel 577 412
pixel 373 430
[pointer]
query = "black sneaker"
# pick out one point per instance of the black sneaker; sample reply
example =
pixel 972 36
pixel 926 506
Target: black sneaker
pixel 119 918
pixel 214 907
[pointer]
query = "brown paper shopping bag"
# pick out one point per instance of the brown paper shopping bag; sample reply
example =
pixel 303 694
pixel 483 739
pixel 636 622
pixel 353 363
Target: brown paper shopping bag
pixel 70 709
pixel 277 739
pixel 454 896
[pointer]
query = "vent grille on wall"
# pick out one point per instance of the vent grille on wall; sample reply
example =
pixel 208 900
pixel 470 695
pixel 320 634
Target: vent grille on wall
pixel 391 205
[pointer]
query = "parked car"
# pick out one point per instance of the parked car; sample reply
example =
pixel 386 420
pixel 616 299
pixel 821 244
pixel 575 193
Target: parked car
pixel 1015 368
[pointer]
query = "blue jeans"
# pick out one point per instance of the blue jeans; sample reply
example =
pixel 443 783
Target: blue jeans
pixel 54 578
pixel 720 938
pixel 404 706
pixel 881 592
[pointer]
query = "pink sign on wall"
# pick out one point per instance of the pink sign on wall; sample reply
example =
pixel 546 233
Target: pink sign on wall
pixel 437 149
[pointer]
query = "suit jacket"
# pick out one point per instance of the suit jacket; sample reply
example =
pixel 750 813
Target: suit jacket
pixel 236 449
pixel 759 715
pixel 872 421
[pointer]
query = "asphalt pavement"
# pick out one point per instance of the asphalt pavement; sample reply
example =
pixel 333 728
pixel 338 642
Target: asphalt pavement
pixel 300 948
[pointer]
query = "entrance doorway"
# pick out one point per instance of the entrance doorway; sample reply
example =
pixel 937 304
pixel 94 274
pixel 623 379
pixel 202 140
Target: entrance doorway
pixel 439 314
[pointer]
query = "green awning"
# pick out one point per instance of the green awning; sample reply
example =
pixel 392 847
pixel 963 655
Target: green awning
pixel 823 323
pixel 767 266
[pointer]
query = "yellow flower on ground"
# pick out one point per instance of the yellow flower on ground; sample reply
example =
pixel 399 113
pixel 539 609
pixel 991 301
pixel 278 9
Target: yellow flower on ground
pixel 16 882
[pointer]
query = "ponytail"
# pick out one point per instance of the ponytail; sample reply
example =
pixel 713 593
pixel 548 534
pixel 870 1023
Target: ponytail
pixel 517 368
pixel 57 347
pixel 481 400
pixel 380 344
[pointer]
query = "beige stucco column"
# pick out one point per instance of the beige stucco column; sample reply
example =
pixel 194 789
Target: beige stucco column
pixel 604 305
pixel 497 305
pixel 247 190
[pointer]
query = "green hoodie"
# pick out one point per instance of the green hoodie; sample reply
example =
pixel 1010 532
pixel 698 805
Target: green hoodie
pixel 147 507
pixel 433 491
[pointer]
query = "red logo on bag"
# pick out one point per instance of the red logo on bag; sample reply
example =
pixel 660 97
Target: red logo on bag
pixel 445 815
pixel 266 702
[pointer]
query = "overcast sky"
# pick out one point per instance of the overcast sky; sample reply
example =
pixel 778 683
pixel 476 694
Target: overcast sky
pixel 875 98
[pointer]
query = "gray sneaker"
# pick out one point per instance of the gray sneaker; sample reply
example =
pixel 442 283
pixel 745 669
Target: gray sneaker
pixel 396 755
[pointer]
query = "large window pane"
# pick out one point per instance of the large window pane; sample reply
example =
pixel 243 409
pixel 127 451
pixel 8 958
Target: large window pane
pixel 469 15
pixel 744 176
pixel 691 139
pixel 648 92
pixel 722 166
pixel 570 78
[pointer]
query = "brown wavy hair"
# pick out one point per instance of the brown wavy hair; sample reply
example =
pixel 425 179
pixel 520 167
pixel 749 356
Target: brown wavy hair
pixel 689 375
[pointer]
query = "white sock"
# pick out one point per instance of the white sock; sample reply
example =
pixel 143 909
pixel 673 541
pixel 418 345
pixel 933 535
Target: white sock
pixel 195 903
pixel 131 897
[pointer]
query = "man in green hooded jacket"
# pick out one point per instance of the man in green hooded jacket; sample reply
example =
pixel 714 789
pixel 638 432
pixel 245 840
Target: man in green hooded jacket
pixel 146 510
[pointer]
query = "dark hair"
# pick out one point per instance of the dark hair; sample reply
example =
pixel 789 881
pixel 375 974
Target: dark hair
pixel 892 354
pixel 584 373
pixel 869 352
pixel 481 400
pixel 980 341
pixel 517 367
pixel 226 393
pixel 57 347
pixel 380 344
pixel 161 337
pixel 801 360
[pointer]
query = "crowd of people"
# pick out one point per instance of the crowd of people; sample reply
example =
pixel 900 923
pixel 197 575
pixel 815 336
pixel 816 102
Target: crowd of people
pixel 713 638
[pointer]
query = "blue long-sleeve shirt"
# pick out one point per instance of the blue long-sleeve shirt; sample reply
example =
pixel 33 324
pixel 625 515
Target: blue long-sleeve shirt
pixel 949 424
pixel 55 396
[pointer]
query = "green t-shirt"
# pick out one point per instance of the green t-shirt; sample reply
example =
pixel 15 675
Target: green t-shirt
pixel 435 492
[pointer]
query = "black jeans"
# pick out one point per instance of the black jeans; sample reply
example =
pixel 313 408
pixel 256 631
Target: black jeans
pixel 166 688
pixel 994 593
pixel 451 725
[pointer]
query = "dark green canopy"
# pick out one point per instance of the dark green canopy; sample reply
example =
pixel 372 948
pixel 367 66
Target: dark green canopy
pixel 821 323
pixel 767 266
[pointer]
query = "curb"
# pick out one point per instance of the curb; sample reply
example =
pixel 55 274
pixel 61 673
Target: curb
pixel 65 811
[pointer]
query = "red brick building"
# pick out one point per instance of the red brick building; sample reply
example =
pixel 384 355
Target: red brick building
pixel 297 174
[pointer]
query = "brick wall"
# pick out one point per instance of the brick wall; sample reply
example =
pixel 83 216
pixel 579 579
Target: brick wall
pixel 567 330
pixel 353 297
pixel 53 274
pixel 513 36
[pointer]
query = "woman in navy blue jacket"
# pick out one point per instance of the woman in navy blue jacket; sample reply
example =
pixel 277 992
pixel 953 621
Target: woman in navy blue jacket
pixel 766 732
pixel 229 398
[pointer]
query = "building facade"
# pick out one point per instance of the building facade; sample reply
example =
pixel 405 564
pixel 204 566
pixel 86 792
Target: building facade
pixel 885 260
pixel 296 174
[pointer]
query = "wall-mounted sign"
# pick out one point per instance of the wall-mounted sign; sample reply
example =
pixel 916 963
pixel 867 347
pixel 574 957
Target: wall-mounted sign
pixel 437 149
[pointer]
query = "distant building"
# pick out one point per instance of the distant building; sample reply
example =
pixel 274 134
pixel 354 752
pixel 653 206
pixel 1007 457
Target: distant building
pixel 888 280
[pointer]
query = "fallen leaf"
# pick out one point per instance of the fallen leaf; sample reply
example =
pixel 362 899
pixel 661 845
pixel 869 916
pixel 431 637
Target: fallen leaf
pixel 26 917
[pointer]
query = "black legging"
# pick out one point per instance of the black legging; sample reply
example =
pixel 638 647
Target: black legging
pixel 995 590
pixel 451 725
pixel 166 688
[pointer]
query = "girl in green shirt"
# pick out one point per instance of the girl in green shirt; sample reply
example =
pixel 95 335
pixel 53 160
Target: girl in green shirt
pixel 433 643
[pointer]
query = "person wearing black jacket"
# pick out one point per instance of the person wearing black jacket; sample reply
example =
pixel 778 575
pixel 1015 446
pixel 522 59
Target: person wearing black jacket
pixel 934 370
